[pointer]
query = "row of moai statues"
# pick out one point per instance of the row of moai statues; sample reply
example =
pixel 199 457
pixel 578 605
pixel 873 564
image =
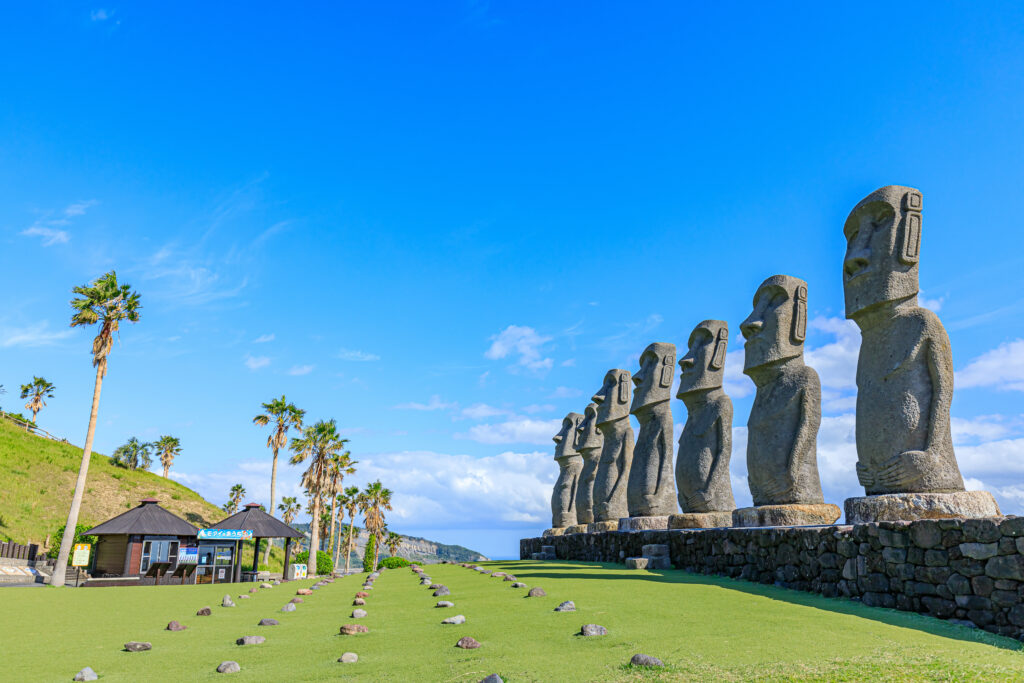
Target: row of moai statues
pixel 905 458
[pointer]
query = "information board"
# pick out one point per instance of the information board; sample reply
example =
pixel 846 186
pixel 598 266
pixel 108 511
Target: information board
pixel 80 557
pixel 225 534
pixel 188 556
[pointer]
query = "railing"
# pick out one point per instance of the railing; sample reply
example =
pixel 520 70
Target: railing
pixel 30 427
pixel 17 551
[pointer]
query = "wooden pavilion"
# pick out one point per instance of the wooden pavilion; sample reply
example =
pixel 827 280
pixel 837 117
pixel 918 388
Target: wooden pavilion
pixel 263 526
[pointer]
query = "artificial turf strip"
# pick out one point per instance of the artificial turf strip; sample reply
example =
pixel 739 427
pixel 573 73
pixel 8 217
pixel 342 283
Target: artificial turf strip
pixel 703 628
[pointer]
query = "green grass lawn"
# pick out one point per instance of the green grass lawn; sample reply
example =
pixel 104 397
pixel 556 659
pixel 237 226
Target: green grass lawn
pixel 704 628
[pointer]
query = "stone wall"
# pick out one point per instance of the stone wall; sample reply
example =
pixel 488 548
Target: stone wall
pixel 965 570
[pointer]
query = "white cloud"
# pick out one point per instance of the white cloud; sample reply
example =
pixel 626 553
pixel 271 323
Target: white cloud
pixel 435 403
pixel 300 370
pixel 735 383
pixel 515 430
pixel 79 208
pixel 523 342
pixel 479 411
pixel 256 362
pixel 38 334
pixel 99 14
pixel 1001 368
pixel 263 339
pixel 50 236
pixel 934 305
pixel 565 392
pixel 836 362
pixel 358 356
pixel 570 363
pixel 534 408
pixel 51 228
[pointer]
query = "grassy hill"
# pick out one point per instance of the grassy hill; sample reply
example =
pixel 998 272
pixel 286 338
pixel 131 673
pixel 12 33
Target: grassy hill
pixel 37 479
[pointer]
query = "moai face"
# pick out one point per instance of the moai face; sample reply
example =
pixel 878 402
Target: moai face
pixel 567 439
pixel 883 245
pixel 703 366
pixel 777 328
pixel 613 398
pixel 589 435
pixel 654 381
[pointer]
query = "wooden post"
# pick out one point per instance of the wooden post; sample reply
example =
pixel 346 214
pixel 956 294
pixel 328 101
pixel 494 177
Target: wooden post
pixel 256 557
pixel 287 557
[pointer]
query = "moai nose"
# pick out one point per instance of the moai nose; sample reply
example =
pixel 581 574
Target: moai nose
pixel 749 328
pixel 855 263
pixel 687 362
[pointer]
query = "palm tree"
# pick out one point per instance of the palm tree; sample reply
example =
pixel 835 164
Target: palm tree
pixel 378 499
pixel 289 507
pixel 338 466
pixel 35 391
pixel 107 303
pixel 235 496
pixel 393 542
pixel 285 416
pixel 167 447
pixel 352 501
pixel 317 444
pixel 133 454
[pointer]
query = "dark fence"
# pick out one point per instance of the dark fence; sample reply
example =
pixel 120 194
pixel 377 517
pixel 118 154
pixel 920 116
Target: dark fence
pixel 17 551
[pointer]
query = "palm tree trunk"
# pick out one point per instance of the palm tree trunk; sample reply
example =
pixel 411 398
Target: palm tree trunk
pixel 348 546
pixel 273 487
pixel 167 468
pixel 334 518
pixel 376 552
pixel 314 533
pixel 60 569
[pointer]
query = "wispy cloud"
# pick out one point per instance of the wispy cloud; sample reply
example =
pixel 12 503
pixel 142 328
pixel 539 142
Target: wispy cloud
pixel 517 430
pixel 479 411
pixel 51 225
pixel 1001 368
pixel 263 339
pixel 100 14
pixel 565 392
pixel 358 356
pixel 521 341
pixel 50 236
pixel 300 370
pixel 256 362
pixel 435 403
pixel 38 334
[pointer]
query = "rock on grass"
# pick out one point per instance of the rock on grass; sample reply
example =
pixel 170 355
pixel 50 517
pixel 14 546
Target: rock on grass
pixel 537 592
pixel 467 643
pixel 443 590
pixel 493 678
pixel 250 640
pixel 227 602
pixel 176 626
pixel 358 601
pixel 519 584
pixel 290 607
pixel 204 612
pixel 136 646
pixel 349 658
pixel 593 630
pixel 457 619
pixel 358 614
pixel 228 667
pixel 353 629
pixel 444 603
pixel 86 674
pixel 567 606
pixel 645 660
pixel 268 622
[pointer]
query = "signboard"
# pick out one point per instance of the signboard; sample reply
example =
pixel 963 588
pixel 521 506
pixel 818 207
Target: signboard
pixel 220 573
pixel 297 571
pixel 80 558
pixel 223 557
pixel 225 534
pixel 188 556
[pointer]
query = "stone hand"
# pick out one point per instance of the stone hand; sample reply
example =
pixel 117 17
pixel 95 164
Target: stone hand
pixel 865 476
pixel 774 489
pixel 698 501
pixel 904 469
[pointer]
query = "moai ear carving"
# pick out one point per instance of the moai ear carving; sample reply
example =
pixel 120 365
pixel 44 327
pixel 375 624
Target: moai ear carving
pixel 800 314
pixel 668 364
pixel 721 345
pixel 624 388
pixel 910 246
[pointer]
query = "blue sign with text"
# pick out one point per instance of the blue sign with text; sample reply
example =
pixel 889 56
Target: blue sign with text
pixel 225 534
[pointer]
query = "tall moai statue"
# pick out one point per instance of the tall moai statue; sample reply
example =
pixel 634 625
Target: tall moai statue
pixel 616 452
pixel 651 490
pixel 570 463
pixel 782 431
pixel 590 442
pixel 705 446
pixel 905 459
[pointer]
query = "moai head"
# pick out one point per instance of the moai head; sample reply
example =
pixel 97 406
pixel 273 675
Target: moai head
pixel 883 244
pixel 612 398
pixel 654 381
pixel 589 436
pixel 567 439
pixel 703 366
pixel 777 328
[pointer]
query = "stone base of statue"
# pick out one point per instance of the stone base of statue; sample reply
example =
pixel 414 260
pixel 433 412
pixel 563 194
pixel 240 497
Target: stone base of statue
pixel 598 527
pixel 577 529
pixel 655 523
pixel 786 515
pixel 908 507
pixel 700 520
pixel 557 531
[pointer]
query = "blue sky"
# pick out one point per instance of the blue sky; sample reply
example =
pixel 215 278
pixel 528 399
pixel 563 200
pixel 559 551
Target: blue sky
pixel 442 223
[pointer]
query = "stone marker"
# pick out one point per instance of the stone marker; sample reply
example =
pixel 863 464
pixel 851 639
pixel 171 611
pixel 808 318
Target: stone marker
pixel 645 660
pixel 782 432
pixel 358 614
pixel 227 602
pixel 443 590
pixel 651 489
pixel 457 619
pixel 268 622
pixel 705 446
pixel 537 592
pixel 266 585
pixel 434 586
pixel 250 640
pixel 616 452
pixel 467 643
pixel 493 678
pixel 593 630
pixel 86 674
pixel 136 646
pixel 204 612
pixel 570 463
pixel 228 667
pixel 297 601
pixel 362 594
pixel 589 445
pixel 444 603
pixel 349 658
pixel 518 584
pixel 352 629
pixel 509 577
pixel 905 458
pixel 176 626
pixel 304 591
pixel 358 601
pixel 290 607
pixel 567 606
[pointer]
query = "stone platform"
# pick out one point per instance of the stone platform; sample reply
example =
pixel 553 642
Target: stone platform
pixel 786 515
pixel 607 525
pixel 557 531
pixel 700 520
pixel 643 523
pixel 576 529
pixel 909 507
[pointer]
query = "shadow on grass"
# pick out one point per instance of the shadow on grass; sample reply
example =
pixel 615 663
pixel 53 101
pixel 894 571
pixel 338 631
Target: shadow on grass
pixel 921 622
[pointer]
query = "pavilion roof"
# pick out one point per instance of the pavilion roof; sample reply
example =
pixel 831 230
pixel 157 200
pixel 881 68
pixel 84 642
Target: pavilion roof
pixel 262 524
pixel 147 518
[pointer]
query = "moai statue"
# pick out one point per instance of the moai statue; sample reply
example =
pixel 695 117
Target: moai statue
pixel 616 452
pixel 705 446
pixel 905 459
pixel 782 431
pixel 590 442
pixel 651 491
pixel 563 498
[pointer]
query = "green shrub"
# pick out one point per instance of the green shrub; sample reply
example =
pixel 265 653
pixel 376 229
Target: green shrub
pixel 79 538
pixel 324 565
pixel 371 553
pixel 395 562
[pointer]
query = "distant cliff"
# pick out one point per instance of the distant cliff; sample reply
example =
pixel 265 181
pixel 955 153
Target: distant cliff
pixel 413 548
